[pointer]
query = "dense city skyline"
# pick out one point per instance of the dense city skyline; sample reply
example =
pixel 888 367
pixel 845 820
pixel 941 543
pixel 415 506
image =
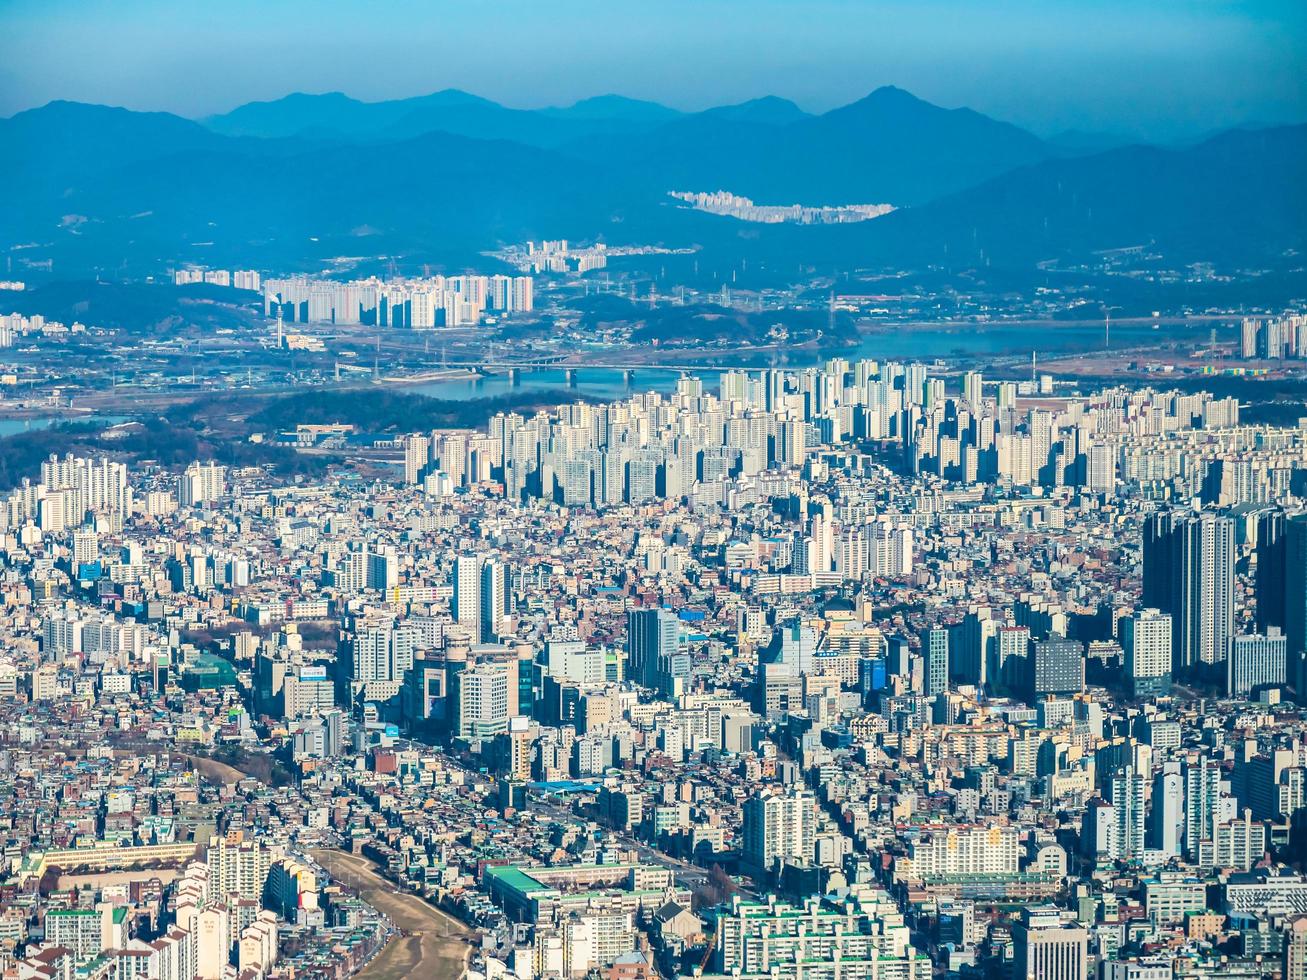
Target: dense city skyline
pixel 719 539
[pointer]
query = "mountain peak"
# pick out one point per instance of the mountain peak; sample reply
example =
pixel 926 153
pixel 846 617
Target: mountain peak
pixel 614 106
pixel 889 98
pixel 452 96
pixel 893 95
pixel 770 109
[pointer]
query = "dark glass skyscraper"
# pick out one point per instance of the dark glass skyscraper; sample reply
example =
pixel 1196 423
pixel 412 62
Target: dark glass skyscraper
pixel 1189 573
pixel 1295 598
pixel 1270 570
pixel 654 646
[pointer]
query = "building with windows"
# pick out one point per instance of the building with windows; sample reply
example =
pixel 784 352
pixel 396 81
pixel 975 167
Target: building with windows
pixel 862 937
pixel 1189 572
pixel 1146 640
pixel 1043 948
pixel 1257 662
pixel 779 828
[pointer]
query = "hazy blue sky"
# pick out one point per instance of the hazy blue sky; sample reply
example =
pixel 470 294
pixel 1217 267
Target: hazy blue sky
pixel 1156 67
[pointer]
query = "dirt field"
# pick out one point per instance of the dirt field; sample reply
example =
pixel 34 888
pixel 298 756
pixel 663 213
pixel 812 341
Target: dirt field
pixel 434 944
pixel 104 879
pixel 215 771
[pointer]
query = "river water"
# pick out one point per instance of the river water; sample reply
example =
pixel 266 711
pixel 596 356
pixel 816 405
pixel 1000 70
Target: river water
pixel 972 344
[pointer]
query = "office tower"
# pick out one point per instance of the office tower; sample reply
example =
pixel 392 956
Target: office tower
pixel 1189 573
pixel 655 657
pixel 481 700
pixel 1167 820
pixel 514 748
pixel 1044 949
pixel 1146 638
pixel 872 677
pixel 1272 573
pixel 383 568
pixel 372 653
pixel 1295 598
pixel 1126 794
pixel 934 647
pixel 567 659
pixel 1256 662
pixel 794 645
pixel 493 599
pixel 898 655
pixel 969 647
pixel 1273 783
pixel 1054 666
pixel 1011 648
pixel 269 678
pixel 1202 795
pixel 779 828
pixel 465 606
pixel 307 691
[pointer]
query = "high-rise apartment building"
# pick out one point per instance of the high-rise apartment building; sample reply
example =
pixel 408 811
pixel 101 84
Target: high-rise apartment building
pixel 1189 572
pixel 1295 598
pixel 1167 816
pixel 201 483
pixel 1146 639
pixel 493 600
pixel 465 606
pixel 1126 794
pixel 1202 795
pixel 779 828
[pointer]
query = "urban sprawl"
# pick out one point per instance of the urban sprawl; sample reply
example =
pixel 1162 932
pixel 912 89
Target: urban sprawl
pixel 856 672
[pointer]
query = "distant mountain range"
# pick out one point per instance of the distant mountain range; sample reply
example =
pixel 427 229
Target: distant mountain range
pixel 443 176
pixel 335 115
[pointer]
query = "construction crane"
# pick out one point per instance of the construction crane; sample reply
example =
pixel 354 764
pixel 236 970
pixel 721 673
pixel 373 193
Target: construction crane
pixel 707 953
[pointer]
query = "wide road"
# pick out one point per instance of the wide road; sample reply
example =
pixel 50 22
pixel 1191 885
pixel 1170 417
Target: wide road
pixel 431 943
